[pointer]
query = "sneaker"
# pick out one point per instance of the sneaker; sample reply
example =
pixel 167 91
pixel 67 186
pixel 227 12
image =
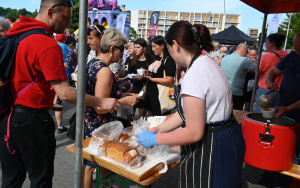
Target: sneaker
pixel 64 129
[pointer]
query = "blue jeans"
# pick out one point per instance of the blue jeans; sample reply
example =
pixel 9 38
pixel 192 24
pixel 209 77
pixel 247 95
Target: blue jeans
pixel 69 72
pixel 274 96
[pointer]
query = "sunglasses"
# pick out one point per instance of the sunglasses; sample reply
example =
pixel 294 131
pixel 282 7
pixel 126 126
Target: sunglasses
pixel 68 3
pixel 94 26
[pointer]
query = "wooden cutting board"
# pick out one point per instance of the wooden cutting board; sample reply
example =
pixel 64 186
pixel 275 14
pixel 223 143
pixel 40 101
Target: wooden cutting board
pixel 115 168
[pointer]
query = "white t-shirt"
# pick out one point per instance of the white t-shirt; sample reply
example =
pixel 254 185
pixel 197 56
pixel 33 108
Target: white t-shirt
pixel 207 81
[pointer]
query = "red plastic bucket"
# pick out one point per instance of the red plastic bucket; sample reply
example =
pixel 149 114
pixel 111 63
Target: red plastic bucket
pixel 270 143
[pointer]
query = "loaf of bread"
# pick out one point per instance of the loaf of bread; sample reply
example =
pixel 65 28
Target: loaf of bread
pixel 119 151
pixel 123 137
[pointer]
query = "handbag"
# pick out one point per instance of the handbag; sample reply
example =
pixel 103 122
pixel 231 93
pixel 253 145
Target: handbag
pixel 72 129
pixel 142 93
pixel 166 96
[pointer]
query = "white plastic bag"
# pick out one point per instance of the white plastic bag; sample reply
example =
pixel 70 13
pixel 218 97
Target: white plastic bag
pixel 109 131
pixel 139 126
pixel 250 85
pixel 159 152
pixel 95 146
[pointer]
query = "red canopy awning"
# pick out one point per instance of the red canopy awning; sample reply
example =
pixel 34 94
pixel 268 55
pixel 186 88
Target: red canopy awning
pixel 274 6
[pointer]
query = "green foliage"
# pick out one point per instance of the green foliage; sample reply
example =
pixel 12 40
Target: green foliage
pixel 75 16
pixel 13 14
pixel 294 28
pixel 22 12
pixel 132 34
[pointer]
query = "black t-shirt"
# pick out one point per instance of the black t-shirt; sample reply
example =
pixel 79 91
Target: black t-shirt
pixel 138 65
pixel 137 84
pixel 127 63
pixel 168 65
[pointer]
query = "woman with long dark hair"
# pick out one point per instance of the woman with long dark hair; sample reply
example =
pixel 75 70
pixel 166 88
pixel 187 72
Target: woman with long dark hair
pixel 142 60
pixel 212 143
pixel 163 63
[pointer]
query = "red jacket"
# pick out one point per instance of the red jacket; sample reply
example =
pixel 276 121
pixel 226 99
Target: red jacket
pixel 38 56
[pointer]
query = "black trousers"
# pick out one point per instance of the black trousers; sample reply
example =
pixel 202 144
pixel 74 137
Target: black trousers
pixel 32 137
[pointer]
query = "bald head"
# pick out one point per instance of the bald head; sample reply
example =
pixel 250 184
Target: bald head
pixel 242 49
pixel 46 4
pixel 296 43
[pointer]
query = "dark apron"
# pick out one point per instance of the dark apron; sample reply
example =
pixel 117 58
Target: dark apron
pixel 198 159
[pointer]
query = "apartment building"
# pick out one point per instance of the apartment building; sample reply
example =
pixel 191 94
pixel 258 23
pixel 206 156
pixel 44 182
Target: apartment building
pixel 215 22
pixel 254 32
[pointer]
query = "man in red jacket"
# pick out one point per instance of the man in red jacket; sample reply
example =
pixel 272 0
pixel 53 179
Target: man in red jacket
pixel 32 128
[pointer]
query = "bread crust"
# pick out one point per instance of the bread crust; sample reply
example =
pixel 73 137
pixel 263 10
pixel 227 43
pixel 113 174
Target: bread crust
pixel 123 137
pixel 119 151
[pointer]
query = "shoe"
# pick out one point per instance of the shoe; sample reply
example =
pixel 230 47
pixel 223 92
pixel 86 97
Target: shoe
pixel 64 129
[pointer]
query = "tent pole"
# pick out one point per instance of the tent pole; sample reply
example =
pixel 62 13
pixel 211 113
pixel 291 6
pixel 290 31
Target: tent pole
pixel 287 32
pixel 259 57
pixel 80 90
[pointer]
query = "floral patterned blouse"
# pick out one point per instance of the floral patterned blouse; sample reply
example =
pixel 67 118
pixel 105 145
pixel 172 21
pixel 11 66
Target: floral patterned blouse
pixel 93 120
pixel 72 58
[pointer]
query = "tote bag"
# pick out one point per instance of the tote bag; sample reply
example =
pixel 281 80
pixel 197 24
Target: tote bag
pixel 166 96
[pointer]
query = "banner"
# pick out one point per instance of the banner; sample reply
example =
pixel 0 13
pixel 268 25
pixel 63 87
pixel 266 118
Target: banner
pixel 153 23
pixel 121 22
pixel 274 24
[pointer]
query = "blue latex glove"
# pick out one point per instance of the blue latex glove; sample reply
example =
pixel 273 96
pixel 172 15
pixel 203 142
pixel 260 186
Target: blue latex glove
pixel 147 139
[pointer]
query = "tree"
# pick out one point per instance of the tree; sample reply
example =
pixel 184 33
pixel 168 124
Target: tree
pixel 22 12
pixel 294 28
pixel 132 34
pixel 2 11
pixel 75 16
pixel 13 17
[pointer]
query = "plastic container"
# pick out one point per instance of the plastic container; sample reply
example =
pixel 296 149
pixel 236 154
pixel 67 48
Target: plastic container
pixel 270 143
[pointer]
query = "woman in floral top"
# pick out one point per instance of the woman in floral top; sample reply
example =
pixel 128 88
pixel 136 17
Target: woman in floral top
pixel 71 60
pixel 101 82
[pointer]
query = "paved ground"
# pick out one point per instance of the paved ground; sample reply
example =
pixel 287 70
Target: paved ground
pixel 65 164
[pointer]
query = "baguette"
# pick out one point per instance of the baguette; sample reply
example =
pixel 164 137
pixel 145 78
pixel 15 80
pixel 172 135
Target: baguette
pixel 119 151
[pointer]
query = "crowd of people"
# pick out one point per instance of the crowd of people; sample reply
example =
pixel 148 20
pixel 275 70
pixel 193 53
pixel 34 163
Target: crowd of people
pixel 212 82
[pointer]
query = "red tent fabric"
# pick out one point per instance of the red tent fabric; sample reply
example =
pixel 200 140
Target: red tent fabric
pixel 274 6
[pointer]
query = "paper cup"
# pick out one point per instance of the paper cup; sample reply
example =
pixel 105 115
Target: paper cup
pixel 74 76
pixel 268 113
pixel 141 72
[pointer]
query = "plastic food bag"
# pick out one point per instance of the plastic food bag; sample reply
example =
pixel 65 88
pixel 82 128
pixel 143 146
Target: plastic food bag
pixel 109 131
pixel 139 126
pixel 157 152
pixel 95 145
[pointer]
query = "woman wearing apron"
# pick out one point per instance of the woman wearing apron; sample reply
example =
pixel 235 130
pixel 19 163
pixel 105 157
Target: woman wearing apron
pixel 211 140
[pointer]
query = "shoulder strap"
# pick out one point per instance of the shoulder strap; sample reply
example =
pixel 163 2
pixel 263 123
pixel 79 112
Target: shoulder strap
pixel 9 47
pixel 166 60
pixel 33 31
pixel 164 66
pixel 12 59
pixel 276 54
